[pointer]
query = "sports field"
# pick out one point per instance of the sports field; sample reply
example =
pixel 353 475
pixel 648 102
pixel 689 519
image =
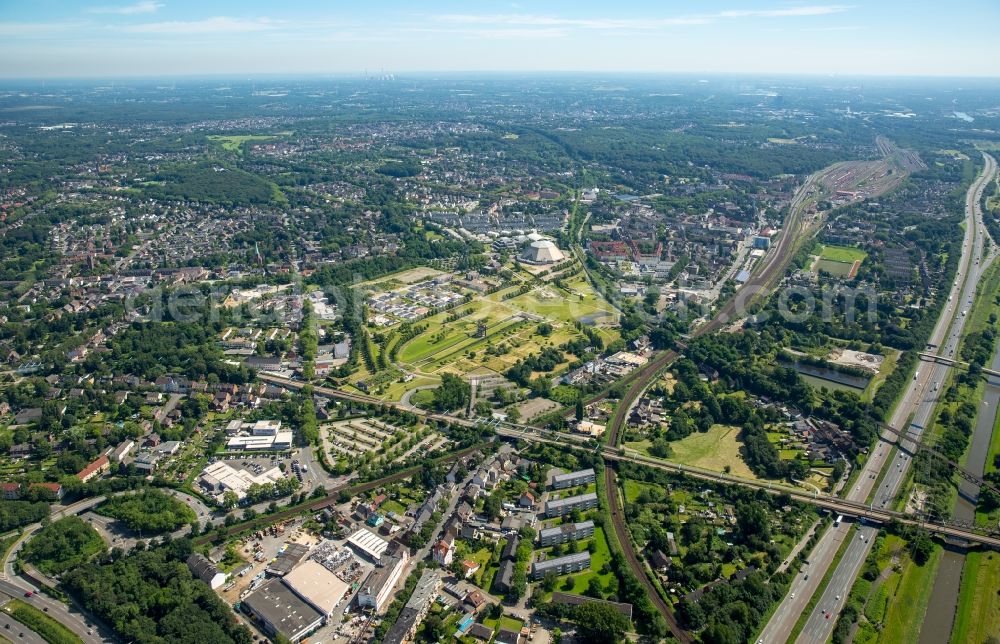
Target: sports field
pixel 845 254
pixel 838 269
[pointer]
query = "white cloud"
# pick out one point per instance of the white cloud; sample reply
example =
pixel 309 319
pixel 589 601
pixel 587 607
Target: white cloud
pixel 534 20
pixel 820 10
pixel 530 20
pixel 495 33
pixel 145 6
pixel 218 24
pixel 36 29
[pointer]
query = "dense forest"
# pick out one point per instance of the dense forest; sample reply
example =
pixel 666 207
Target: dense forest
pixel 149 511
pixel 63 545
pixel 14 514
pixel 212 183
pixel 150 597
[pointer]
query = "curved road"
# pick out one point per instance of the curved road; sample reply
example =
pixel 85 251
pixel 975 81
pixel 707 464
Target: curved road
pixel 917 403
pixel 764 277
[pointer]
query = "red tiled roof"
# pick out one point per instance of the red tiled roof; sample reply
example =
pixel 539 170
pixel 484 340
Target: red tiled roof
pixel 101 461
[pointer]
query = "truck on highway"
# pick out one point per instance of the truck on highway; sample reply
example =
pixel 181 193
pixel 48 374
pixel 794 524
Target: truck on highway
pixel 840 517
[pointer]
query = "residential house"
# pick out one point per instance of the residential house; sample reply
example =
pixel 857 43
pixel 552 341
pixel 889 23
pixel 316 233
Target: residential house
pixel 444 551
pixel 95 469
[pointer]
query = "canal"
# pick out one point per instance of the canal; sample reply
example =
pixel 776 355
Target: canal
pixel 943 604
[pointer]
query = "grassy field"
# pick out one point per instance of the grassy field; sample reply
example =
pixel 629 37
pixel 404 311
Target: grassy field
pixel 888 366
pixel 396 390
pixel 978 615
pixel 454 346
pixel 904 616
pixel 234 142
pixel 845 254
pixel 482 557
pixel 634 488
pixel 598 560
pixel 713 450
pixel 393 506
pixel 422 397
pixel 49 629
pixel 835 268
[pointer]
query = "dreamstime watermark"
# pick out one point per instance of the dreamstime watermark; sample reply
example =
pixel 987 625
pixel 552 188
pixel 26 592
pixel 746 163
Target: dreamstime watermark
pixel 792 304
pixel 280 305
pixel 262 306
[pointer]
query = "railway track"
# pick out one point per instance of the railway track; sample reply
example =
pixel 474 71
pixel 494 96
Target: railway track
pixel 763 280
pixel 330 498
pixel 624 540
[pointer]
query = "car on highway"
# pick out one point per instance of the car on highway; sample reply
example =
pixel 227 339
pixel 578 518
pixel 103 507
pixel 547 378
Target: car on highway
pixel 28 593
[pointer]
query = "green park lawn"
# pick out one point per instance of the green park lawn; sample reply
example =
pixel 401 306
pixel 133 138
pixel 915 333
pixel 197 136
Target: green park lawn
pixel 393 506
pixel 598 560
pixel 234 142
pixel 713 450
pixel 845 254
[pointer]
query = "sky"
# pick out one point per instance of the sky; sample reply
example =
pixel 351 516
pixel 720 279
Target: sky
pixel 152 38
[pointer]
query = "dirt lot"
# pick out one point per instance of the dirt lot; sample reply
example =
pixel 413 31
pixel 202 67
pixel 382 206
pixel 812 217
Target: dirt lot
pixel 536 407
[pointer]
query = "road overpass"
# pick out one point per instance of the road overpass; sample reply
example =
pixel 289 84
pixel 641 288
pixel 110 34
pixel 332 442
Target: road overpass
pixel 920 446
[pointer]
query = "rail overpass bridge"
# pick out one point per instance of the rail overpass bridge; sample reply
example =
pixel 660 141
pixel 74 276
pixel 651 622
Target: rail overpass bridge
pixel 970 534
pixel 919 446
pixel 933 357
pixel 963 532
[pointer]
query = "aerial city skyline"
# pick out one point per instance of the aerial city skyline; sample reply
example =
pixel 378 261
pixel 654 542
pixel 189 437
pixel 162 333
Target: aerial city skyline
pixel 500 322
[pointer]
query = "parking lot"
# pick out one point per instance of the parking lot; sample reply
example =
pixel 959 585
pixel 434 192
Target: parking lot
pixel 257 463
pixel 345 624
pixel 259 558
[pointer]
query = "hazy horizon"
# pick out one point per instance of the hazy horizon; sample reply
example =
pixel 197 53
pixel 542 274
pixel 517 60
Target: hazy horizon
pixel 180 38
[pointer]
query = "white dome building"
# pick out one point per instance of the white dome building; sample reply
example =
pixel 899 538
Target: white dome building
pixel 543 252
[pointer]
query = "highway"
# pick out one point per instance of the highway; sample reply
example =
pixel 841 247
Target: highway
pixel 14 630
pixel 914 412
pixel 15 586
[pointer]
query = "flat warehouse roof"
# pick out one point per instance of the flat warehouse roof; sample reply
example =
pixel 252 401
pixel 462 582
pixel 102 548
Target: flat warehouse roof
pixel 317 585
pixel 285 611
